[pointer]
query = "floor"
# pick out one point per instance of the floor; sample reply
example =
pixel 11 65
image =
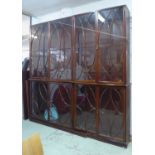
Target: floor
pixel 56 142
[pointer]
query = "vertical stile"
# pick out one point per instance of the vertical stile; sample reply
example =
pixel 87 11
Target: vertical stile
pixel 49 67
pixel 30 47
pixel 124 72
pixel 97 71
pixel 30 66
pixel 125 113
pixel 27 97
pixel 124 46
pixel 73 73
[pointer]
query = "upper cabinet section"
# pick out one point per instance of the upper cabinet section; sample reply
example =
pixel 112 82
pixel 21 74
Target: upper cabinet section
pixel 90 47
pixel 39 50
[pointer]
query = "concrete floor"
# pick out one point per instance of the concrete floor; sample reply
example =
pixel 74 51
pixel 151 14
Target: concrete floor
pixel 57 142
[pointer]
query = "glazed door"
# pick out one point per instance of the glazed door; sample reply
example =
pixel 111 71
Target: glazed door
pixel 60 105
pixel 85 108
pixel 85 47
pixel 112 43
pixel 112 112
pixel 61 49
pixel 39 51
pixel 39 100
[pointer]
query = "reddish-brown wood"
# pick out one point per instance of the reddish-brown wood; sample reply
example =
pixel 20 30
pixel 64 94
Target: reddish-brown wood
pixel 25 85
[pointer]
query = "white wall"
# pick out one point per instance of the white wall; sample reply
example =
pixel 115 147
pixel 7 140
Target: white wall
pixel 66 12
pixel 25 35
pixel 25 24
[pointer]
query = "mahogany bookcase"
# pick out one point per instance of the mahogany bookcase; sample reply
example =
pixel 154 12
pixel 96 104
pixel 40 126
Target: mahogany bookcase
pixel 80 74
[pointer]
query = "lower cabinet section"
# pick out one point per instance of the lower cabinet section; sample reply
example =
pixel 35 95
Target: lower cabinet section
pixel 97 111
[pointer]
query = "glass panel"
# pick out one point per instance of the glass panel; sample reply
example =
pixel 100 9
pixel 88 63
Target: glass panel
pixel 85 46
pixel 85 64
pixel 60 104
pixel 111 44
pixel 85 21
pixel 85 38
pixel 39 99
pixel 111 112
pixel 61 64
pixel 39 50
pixel 85 108
pixel 61 34
pixel 61 43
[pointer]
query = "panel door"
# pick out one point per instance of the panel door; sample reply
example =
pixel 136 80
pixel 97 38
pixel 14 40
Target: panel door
pixel 112 45
pixel 60 104
pixel 85 108
pixel 39 50
pixel 61 49
pixel 85 47
pixel 39 100
pixel 112 113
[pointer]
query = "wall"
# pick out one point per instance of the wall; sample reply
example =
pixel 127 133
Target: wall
pixel 25 36
pixel 82 9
